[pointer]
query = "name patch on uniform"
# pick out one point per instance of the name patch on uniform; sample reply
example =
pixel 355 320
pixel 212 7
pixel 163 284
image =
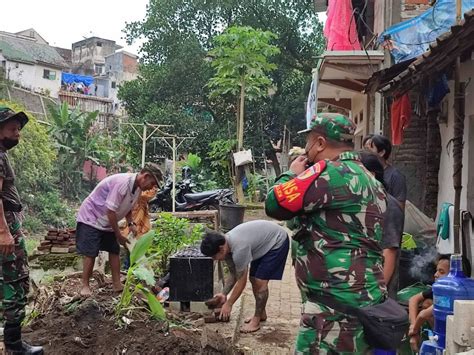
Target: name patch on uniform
pixel 290 195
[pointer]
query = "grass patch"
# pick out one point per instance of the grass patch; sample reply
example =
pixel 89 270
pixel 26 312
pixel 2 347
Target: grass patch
pixel 31 244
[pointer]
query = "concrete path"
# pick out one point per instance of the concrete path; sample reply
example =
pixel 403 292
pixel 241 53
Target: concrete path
pixel 277 335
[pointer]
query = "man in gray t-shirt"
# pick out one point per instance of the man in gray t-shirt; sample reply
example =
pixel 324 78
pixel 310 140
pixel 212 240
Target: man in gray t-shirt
pixel 262 244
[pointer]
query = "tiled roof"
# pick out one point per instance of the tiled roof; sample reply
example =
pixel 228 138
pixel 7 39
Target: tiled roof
pixel 24 50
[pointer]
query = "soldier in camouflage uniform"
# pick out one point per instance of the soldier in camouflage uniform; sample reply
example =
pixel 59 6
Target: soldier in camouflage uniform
pixel 13 259
pixel 339 207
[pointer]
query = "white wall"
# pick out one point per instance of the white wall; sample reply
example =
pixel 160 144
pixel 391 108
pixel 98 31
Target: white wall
pixel 30 76
pixel 359 104
pixel 445 176
pixel 23 74
pixel 52 85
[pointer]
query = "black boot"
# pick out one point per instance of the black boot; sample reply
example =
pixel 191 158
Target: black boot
pixel 13 343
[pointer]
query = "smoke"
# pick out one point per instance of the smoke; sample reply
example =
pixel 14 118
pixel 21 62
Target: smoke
pixel 422 265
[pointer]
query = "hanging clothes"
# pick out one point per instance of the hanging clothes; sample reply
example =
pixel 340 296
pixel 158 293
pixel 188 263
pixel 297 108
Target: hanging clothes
pixel 444 230
pixel 437 90
pixel 340 28
pixel 400 117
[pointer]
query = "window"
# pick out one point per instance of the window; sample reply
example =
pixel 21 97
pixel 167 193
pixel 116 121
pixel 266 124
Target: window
pixel 99 44
pixel 113 85
pixel 99 69
pixel 49 74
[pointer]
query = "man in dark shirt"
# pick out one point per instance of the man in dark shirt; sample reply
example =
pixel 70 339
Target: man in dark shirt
pixel 392 228
pixel 14 275
pixel 394 180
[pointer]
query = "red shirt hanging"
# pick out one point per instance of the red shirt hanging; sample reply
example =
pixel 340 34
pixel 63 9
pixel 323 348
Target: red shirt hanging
pixel 400 117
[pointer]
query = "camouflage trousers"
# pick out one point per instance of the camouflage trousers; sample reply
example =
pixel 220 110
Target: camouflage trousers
pixel 326 331
pixel 14 280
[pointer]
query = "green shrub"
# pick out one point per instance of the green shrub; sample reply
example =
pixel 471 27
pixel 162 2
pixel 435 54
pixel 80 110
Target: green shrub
pixel 172 234
pixel 33 224
pixel 50 209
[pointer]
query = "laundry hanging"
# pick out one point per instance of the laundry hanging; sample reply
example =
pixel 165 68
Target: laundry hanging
pixel 340 28
pixel 400 117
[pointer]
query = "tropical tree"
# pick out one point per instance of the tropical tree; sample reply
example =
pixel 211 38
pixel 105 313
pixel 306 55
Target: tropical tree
pixel 75 142
pixel 241 59
pixel 34 158
pixel 175 71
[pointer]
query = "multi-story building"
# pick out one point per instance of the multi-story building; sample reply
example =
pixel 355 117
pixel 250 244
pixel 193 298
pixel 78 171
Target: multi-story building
pixel 88 55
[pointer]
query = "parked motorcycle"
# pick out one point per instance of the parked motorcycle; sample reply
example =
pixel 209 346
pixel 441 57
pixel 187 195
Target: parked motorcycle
pixel 187 199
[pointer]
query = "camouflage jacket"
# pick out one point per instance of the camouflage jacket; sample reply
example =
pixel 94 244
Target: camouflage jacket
pixel 338 207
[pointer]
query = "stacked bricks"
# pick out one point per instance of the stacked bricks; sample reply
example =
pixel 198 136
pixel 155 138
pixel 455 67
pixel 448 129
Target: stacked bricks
pixel 59 241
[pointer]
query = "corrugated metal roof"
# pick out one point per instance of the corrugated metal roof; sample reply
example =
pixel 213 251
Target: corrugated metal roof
pixel 24 50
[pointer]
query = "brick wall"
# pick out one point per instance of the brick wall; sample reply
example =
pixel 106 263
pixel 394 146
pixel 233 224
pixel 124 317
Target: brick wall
pixel 412 8
pixel 418 159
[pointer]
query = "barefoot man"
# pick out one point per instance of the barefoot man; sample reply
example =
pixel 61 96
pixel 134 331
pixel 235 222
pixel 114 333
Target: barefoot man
pixel 97 221
pixel 262 244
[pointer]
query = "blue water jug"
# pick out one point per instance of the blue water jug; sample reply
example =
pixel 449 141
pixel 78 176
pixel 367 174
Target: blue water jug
pixel 455 286
pixel 430 346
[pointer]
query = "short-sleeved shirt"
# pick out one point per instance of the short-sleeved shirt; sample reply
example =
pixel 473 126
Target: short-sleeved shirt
pixel 396 183
pixel 115 193
pixel 9 191
pixel 394 219
pixel 251 240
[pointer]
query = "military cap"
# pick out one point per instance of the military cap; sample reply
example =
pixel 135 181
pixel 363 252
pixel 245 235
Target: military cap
pixel 335 126
pixel 7 114
pixel 155 171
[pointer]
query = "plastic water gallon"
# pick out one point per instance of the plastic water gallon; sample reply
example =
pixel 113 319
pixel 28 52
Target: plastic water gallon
pixel 455 286
pixel 430 346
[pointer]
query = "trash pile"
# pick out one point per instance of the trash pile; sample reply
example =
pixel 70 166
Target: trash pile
pixel 58 241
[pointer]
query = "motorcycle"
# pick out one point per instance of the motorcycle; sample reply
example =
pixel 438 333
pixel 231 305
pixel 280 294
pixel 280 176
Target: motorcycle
pixel 187 199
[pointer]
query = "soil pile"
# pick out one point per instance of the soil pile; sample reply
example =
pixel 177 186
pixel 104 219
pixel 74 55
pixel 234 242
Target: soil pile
pixel 67 324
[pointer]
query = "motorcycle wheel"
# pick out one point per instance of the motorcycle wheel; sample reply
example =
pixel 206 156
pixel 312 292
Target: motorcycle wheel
pixel 155 209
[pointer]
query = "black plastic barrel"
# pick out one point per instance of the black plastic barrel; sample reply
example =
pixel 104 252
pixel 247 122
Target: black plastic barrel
pixel 191 276
pixel 231 216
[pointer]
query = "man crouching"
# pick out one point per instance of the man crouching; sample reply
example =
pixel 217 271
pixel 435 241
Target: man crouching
pixel 262 244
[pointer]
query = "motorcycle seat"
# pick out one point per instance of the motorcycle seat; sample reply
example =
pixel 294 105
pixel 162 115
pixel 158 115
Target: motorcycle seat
pixel 200 195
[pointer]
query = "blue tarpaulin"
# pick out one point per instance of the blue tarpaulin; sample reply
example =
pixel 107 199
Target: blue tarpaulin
pixel 68 78
pixel 411 38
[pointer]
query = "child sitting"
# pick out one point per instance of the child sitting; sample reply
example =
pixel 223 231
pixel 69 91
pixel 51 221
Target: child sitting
pixel 418 318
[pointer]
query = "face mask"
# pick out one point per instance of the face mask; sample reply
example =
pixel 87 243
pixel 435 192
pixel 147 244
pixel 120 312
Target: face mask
pixel 9 143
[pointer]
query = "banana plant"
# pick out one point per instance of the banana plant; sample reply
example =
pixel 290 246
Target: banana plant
pixel 139 278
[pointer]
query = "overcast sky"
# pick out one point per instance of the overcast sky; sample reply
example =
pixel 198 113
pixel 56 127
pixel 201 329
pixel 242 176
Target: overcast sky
pixel 62 22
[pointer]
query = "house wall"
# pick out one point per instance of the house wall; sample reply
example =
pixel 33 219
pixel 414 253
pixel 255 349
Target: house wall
pixel 21 73
pixel 30 77
pixel 46 84
pixel 446 189
pixel 85 54
pixel 410 158
pixel 359 116
pixel 412 8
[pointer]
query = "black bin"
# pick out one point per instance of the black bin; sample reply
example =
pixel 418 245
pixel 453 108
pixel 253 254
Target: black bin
pixel 191 276
pixel 231 216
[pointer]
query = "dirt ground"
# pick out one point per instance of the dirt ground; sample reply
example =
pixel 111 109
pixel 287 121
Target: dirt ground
pixel 64 323
pixel 71 325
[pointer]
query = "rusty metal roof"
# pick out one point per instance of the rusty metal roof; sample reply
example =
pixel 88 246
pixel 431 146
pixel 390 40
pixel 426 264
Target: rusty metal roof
pixel 441 55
